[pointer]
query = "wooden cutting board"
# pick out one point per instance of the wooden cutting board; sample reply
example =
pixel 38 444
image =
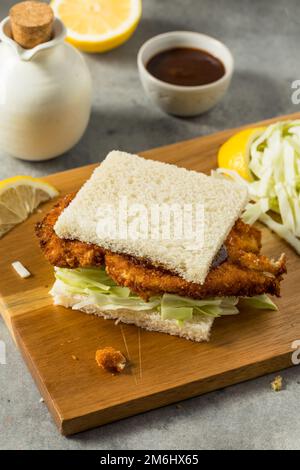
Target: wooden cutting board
pixel 59 345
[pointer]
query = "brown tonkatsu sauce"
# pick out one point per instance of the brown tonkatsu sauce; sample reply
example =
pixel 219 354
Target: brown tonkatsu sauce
pixel 185 66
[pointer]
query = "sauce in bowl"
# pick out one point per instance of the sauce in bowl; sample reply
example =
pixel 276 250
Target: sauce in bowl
pixel 186 66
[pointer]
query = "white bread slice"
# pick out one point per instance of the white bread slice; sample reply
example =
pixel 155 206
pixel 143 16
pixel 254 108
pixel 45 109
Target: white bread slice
pixel 198 329
pixel 150 183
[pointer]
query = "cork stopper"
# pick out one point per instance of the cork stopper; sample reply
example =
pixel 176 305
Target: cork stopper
pixel 31 23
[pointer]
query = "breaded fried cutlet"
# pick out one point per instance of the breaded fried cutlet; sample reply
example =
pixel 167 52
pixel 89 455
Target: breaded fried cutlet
pixel 228 279
pixel 244 272
pixel 65 253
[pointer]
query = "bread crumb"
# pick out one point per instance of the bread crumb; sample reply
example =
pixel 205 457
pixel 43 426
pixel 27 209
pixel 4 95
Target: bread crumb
pixel 74 357
pixel 41 400
pixel 277 384
pixel 110 359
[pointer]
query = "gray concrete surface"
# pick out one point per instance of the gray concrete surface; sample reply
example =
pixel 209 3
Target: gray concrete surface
pixel 264 38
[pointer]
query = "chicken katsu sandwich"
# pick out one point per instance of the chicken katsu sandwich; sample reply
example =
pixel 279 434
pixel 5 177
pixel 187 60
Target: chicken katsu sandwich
pixel 158 246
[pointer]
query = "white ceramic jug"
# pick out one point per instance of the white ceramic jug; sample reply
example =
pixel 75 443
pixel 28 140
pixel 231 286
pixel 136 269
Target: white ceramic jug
pixel 45 96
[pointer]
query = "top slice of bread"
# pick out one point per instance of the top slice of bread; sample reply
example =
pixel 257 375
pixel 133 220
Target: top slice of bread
pixel 151 183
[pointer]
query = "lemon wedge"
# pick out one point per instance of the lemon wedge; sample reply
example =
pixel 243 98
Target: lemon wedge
pixel 98 25
pixel 19 197
pixel 235 153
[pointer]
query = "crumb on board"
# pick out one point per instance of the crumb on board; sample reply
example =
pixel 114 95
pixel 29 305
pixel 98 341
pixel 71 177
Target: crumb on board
pixel 21 270
pixel 75 358
pixel 110 359
pixel 277 384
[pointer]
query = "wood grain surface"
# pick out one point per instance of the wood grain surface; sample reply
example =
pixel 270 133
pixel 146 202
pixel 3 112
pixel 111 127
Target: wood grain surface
pixel 59 345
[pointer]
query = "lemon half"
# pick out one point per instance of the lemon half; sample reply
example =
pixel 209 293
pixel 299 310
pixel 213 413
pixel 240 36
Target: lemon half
pixel 19 197
pixel 235 153
pixel 98 25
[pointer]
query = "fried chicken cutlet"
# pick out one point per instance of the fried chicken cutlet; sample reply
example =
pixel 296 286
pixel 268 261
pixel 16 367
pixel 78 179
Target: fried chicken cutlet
pixel 65 253
pixel 244 272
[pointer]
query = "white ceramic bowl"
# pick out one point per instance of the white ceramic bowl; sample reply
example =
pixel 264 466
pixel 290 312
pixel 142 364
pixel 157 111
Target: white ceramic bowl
pixel 184 100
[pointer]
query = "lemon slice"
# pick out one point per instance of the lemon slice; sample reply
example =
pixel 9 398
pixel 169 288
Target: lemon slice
pixel 234 154
pixel 19 197
pixel 98 25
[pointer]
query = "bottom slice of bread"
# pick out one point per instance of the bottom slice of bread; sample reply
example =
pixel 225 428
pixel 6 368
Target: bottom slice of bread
pixel 197 329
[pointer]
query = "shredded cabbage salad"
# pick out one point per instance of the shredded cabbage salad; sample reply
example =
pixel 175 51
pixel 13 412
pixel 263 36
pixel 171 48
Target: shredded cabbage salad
pixel 94 285
pixel 275 166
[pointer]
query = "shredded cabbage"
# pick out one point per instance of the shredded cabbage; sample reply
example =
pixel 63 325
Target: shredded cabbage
pixel 175 306
pixel 258 302
pixel 274 162
pixel 94 285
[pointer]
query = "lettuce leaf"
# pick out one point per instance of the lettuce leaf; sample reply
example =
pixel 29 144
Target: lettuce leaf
pixel 258 302
pixel 94 285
